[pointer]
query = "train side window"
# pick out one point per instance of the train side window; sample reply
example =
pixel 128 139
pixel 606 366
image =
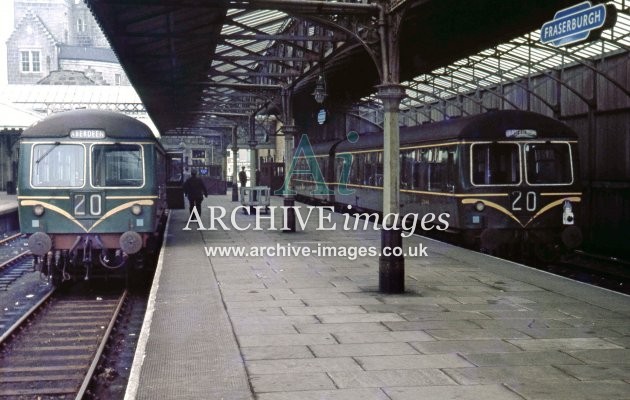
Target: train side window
pixel 356 171
pixel 174 168
pixel 421 169
pixel 438 169
pixel 406 170
pixel 117 165
pixel 548 163
pixel 495 164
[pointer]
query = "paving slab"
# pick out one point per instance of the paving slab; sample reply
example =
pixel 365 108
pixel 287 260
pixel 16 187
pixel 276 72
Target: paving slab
pixel 599 372
pixel 412 362
pixel 504 374
pixel 362 349
pixel 464 346
pixel 287 340
pixel 391 378
pixel 522 358
pixel 338 394
pixel 378 337
pixel 435 324
pixel 290 382
pixel 604 356
pixel 338 328
pixel 572 390
pixel 467 334
pixel 563 344
pixel 275 352
pixel 302 365
pixel 485 392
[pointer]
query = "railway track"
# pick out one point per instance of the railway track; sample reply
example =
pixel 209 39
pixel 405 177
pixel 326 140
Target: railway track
pixel 608 272
pixel 10 238
pixel 53 351
pixel 13 268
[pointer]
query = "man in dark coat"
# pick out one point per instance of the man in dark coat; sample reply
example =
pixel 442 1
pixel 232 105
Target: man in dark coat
pixel 195 190
pixel 242 177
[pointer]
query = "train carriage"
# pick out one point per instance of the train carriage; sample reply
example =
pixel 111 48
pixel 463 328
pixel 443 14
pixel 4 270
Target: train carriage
pixel 507 179
pixel 91 193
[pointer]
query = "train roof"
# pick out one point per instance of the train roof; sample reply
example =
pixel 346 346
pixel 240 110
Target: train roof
pixel 115 125
pixel 488 126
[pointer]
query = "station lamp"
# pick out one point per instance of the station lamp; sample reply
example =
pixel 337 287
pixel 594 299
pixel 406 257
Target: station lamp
pixel 320 90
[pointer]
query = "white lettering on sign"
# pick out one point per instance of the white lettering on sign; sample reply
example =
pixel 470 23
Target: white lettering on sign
pixel 87 134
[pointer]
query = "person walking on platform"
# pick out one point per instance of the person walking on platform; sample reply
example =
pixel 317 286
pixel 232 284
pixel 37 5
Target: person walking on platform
pixel 242 177
pixel 195 190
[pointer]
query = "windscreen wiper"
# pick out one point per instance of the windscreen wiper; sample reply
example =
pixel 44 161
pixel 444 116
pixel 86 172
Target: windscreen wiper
pixel 47 152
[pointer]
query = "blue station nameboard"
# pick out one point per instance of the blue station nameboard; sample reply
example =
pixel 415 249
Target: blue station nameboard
pixel 573 24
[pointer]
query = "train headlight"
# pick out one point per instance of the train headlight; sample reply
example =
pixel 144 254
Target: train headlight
pixel 38 210
pixel 479 206
pixel 567 213
pixel 136 209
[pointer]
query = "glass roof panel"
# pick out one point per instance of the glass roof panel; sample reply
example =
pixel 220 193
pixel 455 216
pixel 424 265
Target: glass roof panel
pixel 518 58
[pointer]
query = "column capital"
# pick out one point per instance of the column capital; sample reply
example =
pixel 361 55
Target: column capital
pixel 391 94
pixel 252 144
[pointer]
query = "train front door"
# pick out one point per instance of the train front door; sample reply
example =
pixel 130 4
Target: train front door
pixel 175 181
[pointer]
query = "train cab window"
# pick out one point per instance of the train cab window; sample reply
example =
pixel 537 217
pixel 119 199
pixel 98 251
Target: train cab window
pixel 495 164
pixel 58 165
pixel 548 163
pixel 117 165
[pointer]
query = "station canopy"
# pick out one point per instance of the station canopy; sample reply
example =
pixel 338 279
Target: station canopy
pixel 200 65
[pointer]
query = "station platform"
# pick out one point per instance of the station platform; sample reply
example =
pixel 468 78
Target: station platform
pixel 8 203
pixel 470 326
pixel 8 213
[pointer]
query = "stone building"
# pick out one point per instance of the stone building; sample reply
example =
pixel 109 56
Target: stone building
pixel 59 37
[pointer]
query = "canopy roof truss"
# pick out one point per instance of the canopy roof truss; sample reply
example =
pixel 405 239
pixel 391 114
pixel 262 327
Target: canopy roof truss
pixel 512 62
pixel 200 65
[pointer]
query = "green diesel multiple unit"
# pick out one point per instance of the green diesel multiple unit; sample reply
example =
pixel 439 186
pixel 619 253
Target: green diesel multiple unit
pixel 91 193
pixel 508 180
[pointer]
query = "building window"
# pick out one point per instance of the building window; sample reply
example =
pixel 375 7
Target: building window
pixel 117 78
pixel 30 61
pixel 80 25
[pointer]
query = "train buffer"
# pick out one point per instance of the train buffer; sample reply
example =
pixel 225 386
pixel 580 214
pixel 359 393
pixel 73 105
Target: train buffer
pixel 252 196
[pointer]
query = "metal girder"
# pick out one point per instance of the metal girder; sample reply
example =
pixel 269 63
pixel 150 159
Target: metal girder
pixel 264 58
pixel 307 6
pixel 241 86
pixel 285 37
pixel 452 103
pixel 215 72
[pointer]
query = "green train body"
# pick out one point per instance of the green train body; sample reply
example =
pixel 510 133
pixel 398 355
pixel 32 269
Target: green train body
pixel 91 193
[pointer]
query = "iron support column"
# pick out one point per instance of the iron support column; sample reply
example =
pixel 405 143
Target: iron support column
pixel 253 156
pixel 234 163
pixel 391 267
pixel 290 131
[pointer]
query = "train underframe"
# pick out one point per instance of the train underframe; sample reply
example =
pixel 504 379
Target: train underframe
pixel 542 244
pixel 92 257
